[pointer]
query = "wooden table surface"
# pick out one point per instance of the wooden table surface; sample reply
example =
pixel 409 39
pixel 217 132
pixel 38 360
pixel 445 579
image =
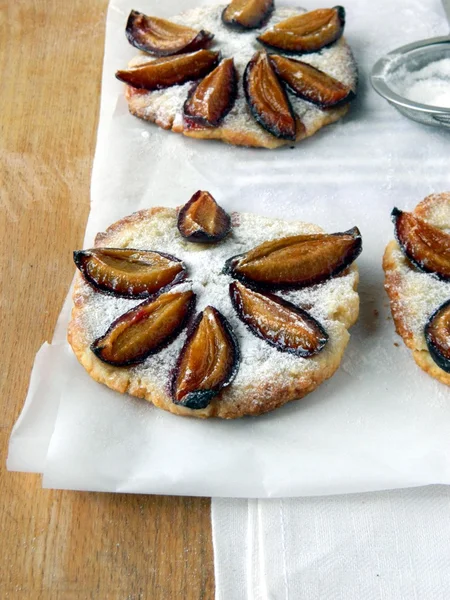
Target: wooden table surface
pixel 55 544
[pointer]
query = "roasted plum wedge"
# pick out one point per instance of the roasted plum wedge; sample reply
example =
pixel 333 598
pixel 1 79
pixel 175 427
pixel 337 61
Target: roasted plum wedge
pixel 278 322
pixel 209 361
pixel 165 72
pixel 127 272
pixel 212 99
pixel 437 336
pixel 296 261
pixel 426 246
pixel 247 14
pixel 203 220
pixel 309 83
pixel 267 98
pixel 163 38
pixel 308 32
pixel 145 329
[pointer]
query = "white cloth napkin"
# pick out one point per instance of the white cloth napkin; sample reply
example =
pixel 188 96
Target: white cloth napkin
pixel 380 546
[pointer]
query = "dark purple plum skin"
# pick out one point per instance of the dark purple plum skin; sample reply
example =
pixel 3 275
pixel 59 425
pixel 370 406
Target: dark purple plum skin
pixel 81 256
pixel 230 268
pixel 341 15
pixel 285 303
pixel 257 24
pixel 434 350
pixel 202 39
pixel 96 347
pixel 396 216
pixel 194 122
pixel 201 398
pixel 202 237
pixel 271 128
pixel 348 98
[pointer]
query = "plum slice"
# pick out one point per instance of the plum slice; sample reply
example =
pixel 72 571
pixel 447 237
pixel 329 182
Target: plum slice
pixel 426 246
pixel 296 261
pixel 247 14
pixel 308 32
pixel 278 322
pixel 208 361
pixel 163 38
pixel 310 83
pixel 170 70
pixel 127 272
pixel 213 98
pixel 145 329
pixel 437 335
pixel 267 98
pixel 203 220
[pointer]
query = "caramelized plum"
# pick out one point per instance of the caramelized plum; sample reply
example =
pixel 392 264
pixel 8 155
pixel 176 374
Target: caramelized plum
pixel 172 70
pixel 213 98
pixel 310 83
pixel 203 220
pixel 309 32
pixel 426 246
pixel 247 14
pixel 296 261
pixel 267 99
pixel 208 361
pixel 437 335
pixel 145 329
pixel 163 38
pixel 278 322
pixel 129 273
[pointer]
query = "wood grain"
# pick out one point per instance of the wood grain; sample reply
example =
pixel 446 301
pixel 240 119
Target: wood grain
pixel 66 545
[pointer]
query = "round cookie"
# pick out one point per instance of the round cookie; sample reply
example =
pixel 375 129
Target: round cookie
pixel 415 295
pixel 165 107
pixel 267 378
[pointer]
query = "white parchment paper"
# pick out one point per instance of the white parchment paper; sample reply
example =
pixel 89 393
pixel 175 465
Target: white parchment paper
pixel 380 422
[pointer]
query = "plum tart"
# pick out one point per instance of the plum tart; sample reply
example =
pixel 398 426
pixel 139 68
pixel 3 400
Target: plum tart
pixel 417 280
pixel 208 314
pixel 248 73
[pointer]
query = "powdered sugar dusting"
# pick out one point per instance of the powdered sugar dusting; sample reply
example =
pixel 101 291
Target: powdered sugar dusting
pixel 169 107
pixel 337 61
pixel 438 210
pixel 421 294
pixel 428 85
pixel 326 302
